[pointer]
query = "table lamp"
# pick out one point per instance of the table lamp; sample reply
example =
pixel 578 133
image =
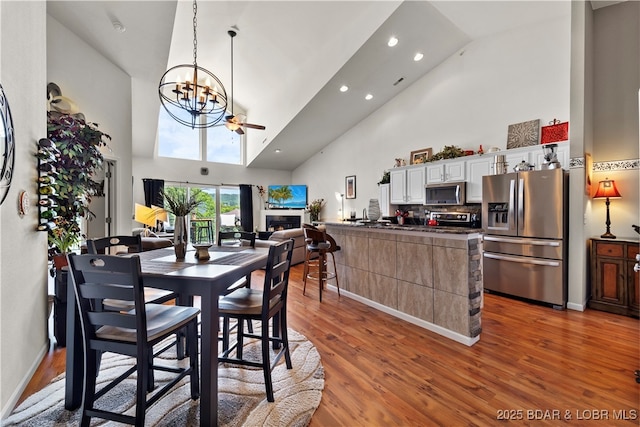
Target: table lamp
pixel 607 190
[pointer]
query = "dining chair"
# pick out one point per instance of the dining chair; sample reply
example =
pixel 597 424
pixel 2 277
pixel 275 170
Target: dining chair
pixel 132 333
pixel 269 303
pixel 134 245
pixel 319 243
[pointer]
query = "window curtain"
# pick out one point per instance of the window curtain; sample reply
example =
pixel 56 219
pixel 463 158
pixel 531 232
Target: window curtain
pixel 246 207
pixel 153 192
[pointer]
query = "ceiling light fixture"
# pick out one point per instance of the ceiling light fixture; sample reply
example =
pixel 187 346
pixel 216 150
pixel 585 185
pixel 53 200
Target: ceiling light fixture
pixel 368 97
pixel 198 101
pixel 418 57
pixel 392 41
pixel 232 122
pixel 277 150
pixel 118 26
pixel 344 88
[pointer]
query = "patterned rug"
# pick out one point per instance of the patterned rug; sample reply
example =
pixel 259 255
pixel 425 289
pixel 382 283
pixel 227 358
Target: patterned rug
pixel 241 394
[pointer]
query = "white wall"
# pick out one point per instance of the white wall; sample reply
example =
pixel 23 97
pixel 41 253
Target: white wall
pixel 469 100
pixel 23 251
pixel 102 92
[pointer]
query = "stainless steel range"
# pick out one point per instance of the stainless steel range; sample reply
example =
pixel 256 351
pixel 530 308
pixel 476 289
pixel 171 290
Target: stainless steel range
pixel 456 219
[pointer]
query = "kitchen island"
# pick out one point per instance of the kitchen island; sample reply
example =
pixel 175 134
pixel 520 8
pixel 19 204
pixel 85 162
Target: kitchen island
pixel 429 276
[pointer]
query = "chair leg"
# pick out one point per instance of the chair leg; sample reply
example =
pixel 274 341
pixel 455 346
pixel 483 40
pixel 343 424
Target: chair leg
pixel 141 388
pixel 89 386
pixel 266 362
pixel 307 258
pixel 285 337
pixel 240 339
pixel 192 333
pixel 335 271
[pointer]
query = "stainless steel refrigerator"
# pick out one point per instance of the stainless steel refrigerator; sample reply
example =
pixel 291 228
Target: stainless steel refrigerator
pixel 524 216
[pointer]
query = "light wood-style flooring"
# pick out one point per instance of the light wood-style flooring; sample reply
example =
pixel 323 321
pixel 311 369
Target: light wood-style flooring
pixel 532 366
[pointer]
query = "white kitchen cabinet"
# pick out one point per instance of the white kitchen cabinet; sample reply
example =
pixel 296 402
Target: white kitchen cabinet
pixel 407 186
pixel 446 172
pixel 398 186
pixel 476 169
pixel 386 208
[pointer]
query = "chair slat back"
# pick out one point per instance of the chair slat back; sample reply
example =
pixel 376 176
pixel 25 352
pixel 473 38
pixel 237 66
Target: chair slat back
pixel 316 236
pixel 99 246
pixel 236 238
pixel 276 278
pixel 97 277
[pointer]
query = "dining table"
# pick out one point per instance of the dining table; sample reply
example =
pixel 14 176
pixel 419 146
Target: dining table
pixel 188 277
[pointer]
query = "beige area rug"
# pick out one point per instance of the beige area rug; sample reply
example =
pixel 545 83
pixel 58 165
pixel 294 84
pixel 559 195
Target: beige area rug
pixel 241 393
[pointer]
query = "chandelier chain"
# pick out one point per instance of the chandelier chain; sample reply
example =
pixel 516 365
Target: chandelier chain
pixel 195 33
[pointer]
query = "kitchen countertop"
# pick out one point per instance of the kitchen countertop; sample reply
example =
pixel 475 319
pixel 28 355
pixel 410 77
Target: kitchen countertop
pixel 419 228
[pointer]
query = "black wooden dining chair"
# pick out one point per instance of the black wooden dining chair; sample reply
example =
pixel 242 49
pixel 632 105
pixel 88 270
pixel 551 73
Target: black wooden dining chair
pixel 262 305
pixel 133 333
pixel 134 245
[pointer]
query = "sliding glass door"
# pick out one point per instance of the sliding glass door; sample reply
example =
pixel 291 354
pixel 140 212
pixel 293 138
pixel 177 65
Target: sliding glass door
pixel 219 209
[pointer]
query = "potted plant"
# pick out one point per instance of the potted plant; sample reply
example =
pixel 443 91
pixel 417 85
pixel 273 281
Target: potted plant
pixel 76 146
pixel 177 202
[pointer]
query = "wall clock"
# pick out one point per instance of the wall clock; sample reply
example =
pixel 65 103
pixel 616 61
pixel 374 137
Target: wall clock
pixel 7 146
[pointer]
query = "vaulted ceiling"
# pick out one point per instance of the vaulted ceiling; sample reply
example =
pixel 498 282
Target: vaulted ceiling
pixel 290 57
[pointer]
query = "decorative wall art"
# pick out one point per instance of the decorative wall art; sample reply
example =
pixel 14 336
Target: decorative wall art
pixel 420 156
pixel 523 134
pixel 555 132
pixel 350 187
pixel 7 146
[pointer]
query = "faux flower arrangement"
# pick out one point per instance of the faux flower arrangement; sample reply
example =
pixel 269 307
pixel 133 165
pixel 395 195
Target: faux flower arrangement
pixel 315 207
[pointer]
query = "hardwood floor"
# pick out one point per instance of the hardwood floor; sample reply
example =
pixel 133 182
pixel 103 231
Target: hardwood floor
pixel 532 366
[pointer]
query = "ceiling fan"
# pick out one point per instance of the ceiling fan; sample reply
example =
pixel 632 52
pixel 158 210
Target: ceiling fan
pixel 232 122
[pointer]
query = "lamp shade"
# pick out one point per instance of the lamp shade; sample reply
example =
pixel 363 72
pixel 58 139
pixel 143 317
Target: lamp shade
pixel 607 189
pixel 161 214
pixel 145 215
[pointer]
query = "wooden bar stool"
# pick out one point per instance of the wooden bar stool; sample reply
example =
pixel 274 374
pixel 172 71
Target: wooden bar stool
pixel 318 242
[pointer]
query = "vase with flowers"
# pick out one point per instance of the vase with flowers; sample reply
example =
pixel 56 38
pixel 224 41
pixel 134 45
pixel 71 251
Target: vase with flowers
pixel 178 203
pixel 314 209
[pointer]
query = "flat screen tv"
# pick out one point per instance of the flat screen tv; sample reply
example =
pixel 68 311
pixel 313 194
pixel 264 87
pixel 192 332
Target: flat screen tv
pixel 287 196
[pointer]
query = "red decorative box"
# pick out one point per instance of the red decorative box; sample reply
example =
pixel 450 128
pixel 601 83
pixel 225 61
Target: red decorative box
pixel 555 132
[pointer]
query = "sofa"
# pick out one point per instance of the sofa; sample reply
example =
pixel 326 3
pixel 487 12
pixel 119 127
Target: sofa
pixel 299 245
pixel 150 240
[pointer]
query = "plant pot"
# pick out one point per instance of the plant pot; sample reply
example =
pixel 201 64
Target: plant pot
pixel 59 261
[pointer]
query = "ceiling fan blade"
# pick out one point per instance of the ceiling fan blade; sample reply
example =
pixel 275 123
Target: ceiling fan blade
pixel 252 126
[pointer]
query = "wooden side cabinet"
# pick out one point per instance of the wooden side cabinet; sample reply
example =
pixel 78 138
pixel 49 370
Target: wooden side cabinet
pixel 615 286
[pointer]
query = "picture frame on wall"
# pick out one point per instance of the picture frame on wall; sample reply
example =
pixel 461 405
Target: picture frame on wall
pixel 420 156
pixel 350 187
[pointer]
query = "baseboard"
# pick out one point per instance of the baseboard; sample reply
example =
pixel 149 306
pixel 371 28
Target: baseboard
pixel 576 307
pixel 447 333
pixel 11 403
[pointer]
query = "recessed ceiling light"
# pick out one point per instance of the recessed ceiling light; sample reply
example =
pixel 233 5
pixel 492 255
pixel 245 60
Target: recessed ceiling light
pixel 392 41
pixel 277 150
pixel 418 57
pixel 368 97
pixel 344 88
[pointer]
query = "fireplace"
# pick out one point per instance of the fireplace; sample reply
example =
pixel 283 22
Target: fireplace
pixel 282 222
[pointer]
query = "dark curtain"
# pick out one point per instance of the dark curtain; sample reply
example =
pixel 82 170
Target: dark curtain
pixel 246 207
pixel 153 192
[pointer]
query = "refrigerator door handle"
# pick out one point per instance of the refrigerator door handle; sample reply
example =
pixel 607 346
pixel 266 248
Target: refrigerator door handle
pixel 522 260
pixel 520 205
pixel 522 241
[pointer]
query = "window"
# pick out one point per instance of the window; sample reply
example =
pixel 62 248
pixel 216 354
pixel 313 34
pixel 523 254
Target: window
pixel 226 217
pixel 214 144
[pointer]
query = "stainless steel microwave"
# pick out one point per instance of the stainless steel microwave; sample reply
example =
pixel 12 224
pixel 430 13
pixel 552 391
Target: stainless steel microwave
pixel 447 194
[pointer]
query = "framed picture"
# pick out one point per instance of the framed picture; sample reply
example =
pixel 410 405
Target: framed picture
pixel 350 187
pixel 523 134
pixel 420 156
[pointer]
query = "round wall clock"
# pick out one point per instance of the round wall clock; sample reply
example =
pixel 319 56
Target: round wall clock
pixel 7 146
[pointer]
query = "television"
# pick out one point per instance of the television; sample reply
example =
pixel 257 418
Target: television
pixel 287 196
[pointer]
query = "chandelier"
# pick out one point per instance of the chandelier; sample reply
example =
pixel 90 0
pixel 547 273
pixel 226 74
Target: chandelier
pixel 192 95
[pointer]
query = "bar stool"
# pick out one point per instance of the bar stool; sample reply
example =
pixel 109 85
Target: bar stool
pixel 201 230
pixel 320 243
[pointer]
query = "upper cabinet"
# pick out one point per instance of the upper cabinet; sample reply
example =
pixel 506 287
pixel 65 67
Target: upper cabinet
pixel 446 172
pixel 476 169
pixel 407 186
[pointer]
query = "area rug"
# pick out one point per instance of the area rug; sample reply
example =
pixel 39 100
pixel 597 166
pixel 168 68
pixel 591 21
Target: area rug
pixel 241 394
